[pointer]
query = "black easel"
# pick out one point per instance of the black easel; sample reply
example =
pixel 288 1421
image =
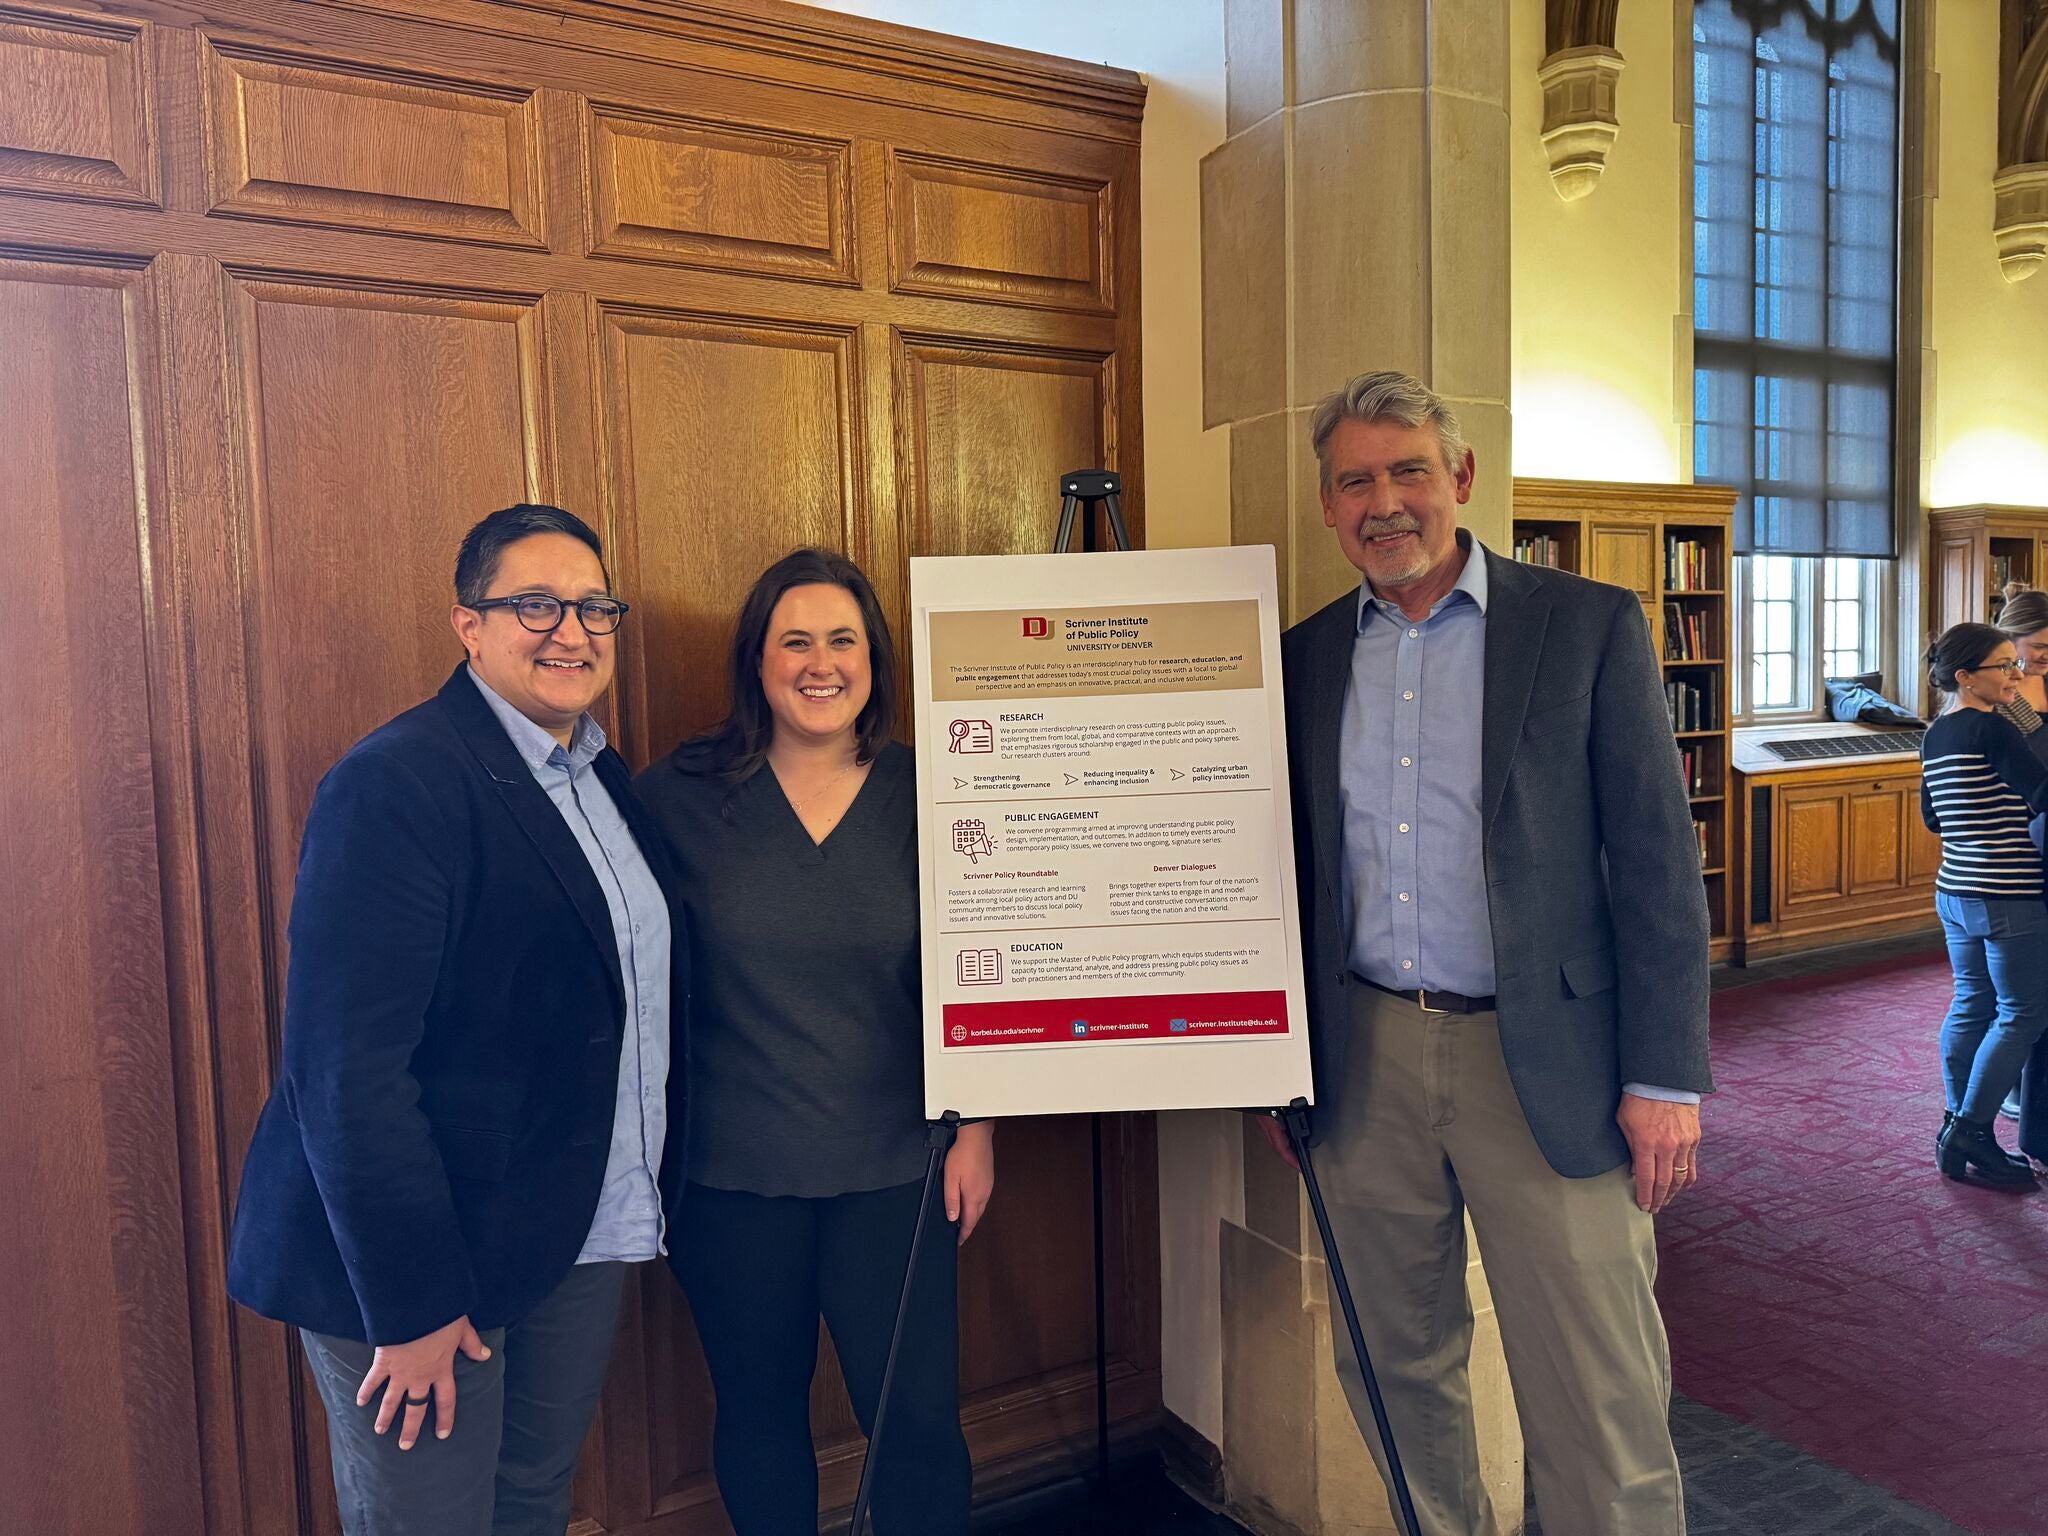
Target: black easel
pixel 1296 1118
pixel 1081 492
pixel 1079 489
pixel 939 1136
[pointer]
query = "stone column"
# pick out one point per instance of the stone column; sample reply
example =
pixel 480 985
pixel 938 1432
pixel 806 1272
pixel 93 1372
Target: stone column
pixel 1356 217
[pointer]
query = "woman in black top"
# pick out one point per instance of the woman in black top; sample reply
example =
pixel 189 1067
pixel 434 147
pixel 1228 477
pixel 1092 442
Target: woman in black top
pixel 795 821
pixel 1979 788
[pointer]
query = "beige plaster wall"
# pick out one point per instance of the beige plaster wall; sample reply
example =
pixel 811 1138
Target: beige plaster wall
pixel 1177 45
pixel 1988 441
pixel 1600 386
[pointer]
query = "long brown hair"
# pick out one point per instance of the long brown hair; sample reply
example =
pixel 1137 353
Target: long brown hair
pixel 738 744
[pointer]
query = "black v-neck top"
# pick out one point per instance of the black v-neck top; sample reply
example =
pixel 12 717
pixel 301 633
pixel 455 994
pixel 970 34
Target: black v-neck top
pixel 806 1066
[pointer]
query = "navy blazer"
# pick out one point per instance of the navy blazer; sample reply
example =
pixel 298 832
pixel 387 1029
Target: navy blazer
pixel 1593 886
pixel 436 1140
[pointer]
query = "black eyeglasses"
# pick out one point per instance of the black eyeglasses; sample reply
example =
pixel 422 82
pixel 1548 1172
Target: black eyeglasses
pixel 542 612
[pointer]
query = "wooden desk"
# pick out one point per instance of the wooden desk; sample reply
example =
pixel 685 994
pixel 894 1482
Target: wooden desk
pixel 1827 850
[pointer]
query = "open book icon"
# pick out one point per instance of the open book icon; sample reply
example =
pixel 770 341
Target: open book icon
pixel 978 967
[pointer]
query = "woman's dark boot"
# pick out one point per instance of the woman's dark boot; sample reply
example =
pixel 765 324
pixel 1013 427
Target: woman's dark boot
pixel 2017 1159
pixel 1969 1147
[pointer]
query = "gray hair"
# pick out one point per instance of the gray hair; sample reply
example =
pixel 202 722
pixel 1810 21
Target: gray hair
pixel 1386 396
pixel 2025 613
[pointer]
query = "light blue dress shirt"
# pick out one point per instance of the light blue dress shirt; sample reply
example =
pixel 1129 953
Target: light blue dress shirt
pixel 629 1224
pixel 1414 848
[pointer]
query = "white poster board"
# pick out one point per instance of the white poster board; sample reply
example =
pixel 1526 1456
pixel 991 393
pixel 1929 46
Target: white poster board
pixel 1106 859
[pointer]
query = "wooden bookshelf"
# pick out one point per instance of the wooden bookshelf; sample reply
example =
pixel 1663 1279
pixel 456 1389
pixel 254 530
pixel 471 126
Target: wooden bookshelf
pixel 1977 550
pixel 1670 545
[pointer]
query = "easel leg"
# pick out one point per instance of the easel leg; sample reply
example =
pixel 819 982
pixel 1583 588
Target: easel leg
pixel 1295 1118
pixel 1101 1311
pixel 939 1136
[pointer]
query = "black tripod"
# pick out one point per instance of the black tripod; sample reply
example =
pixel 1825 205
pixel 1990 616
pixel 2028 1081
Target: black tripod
pixel 1085 490
pixel 938 1140
pixel 1296 1118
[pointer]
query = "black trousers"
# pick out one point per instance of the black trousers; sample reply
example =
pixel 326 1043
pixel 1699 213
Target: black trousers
pixel 759 1271
pixel 520 1421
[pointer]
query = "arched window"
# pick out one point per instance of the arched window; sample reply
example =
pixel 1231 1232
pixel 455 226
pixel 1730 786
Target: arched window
pixel 1795 220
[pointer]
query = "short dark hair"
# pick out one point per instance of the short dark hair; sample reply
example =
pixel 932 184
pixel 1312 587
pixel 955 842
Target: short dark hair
pixel 476 563
pixel 738 744
pixel 1961 648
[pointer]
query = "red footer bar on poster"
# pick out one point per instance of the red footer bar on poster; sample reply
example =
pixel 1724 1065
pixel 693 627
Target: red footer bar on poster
pixel 1083 1020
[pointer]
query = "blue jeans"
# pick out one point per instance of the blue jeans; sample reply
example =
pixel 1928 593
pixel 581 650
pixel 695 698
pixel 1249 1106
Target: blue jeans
pixel 1999 952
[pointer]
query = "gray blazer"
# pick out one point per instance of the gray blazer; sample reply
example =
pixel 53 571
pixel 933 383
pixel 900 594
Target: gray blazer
pixel 1593 883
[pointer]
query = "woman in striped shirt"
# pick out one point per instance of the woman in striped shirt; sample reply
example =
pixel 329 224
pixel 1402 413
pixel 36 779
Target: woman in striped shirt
pixel 1979 788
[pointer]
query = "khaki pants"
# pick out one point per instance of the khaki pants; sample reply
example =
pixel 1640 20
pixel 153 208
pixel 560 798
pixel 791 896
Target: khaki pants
pixel 1428 1129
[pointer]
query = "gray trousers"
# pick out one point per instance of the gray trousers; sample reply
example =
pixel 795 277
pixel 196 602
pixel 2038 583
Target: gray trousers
pixel 1428 1129
pixel 520 1419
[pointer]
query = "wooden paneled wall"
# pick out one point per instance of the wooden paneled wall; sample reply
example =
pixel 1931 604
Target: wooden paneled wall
pixel 291 291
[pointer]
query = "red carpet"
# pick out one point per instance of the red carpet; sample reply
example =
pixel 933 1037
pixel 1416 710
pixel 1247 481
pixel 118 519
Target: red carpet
pixel 1827 1286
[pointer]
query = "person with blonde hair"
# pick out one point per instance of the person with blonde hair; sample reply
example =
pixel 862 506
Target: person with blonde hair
pixel 2024 620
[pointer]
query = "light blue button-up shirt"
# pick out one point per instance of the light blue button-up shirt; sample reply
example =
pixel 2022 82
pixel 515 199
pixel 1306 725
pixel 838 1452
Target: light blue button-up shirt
pixel 1414 847
pixel 1414 850
pixel 629 1224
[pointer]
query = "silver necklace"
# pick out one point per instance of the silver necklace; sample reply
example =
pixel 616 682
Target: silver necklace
pixel 798 805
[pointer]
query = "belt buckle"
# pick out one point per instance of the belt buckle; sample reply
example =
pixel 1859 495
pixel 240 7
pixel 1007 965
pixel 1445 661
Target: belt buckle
pixel 1422 1001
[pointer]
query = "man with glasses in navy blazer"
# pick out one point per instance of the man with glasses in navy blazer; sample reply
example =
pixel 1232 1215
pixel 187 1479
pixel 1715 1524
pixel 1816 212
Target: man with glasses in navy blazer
pixel 483 1043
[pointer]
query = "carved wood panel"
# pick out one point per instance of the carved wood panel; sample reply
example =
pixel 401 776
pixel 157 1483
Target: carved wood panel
pixel 987 431
pixel 1626 555
pixel 75 108
pixel 1876 830
pixel 377 428
pixel 727 445
pixel 705 194
pixel 1962 579
pixel 990 232
pixel 1923 848
pixel 91 1258
pixel 299 141
pixel 1813 838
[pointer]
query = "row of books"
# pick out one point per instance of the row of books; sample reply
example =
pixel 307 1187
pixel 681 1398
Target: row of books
pixel 1700 831
pixel 1689 565
pixel 1540 549
pixel 1694 706
pixel 1685 635
pixel 2001 572
pixel 1692 766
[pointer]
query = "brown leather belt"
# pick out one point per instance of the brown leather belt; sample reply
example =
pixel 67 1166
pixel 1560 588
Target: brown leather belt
pixel 1435 1002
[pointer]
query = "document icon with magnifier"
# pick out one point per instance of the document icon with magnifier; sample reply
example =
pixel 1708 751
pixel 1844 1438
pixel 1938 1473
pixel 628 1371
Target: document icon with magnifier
pixel 971 736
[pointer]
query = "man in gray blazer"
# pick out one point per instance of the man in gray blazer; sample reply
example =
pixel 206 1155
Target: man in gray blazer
pixel 1506 957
